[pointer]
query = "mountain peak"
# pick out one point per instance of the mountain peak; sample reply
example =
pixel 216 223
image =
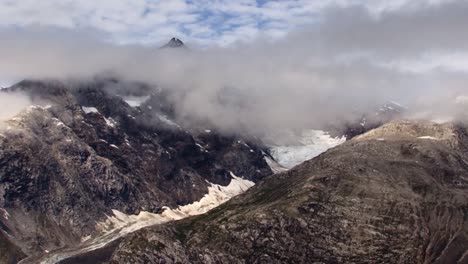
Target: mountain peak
pixel 174 43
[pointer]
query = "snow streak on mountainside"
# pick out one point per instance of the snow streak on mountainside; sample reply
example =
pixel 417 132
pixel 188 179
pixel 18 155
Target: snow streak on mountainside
pixel 119 224
pixel 217 194
pixel 310 144
pixel 89 153
pixel 400 200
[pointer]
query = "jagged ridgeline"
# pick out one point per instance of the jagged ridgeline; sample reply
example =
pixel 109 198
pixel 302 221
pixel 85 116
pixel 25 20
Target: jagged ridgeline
pixel 102 171
pixel 85 152
pixel 174 43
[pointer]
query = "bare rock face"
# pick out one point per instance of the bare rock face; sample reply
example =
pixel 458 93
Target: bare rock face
pixel 397 194
pixel 174 43
pixel 85 150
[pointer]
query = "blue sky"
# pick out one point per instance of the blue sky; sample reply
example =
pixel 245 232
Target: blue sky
pixel 205 22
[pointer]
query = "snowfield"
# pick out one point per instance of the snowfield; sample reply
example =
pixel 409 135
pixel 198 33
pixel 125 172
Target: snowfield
pixel 308 145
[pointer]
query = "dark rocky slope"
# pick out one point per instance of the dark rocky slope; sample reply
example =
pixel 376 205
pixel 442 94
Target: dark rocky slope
pixel 174 43
pixel 64 165
pixel 397 194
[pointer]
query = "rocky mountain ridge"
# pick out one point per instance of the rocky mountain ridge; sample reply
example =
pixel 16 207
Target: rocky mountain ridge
pixel 64 164
pixel 397 194
pixel 91 162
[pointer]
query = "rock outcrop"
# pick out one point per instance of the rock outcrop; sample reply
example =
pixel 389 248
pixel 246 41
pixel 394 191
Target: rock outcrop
pixel 174 43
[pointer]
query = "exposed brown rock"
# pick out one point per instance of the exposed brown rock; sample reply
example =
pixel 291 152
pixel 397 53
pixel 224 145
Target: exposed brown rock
pixel 370 200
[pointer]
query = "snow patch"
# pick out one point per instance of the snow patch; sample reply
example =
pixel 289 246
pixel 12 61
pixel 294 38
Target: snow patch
pixel 135 101
pixel 88 110
pixel 363 122
pixel 120 224
pixel 201 147
pixel 127 142
pixel 110 122
pixel 58 122
pixel 429 137
pixel 274 166
pixel 217 194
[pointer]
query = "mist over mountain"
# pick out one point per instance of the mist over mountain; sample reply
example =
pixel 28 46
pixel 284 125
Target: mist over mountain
pixel 12 104
pixel 349 63
pixel 234 131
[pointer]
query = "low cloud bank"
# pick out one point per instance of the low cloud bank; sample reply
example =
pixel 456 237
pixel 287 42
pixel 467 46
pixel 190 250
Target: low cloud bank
pixel 348 63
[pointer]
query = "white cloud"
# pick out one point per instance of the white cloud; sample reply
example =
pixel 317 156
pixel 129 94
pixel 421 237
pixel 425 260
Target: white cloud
pixel 204 21
pixel 346 63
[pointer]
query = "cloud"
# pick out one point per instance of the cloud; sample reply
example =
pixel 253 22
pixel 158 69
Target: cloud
pixel 345 64
pixel 11 105
pixel 409 32
pixel 121 19
pixel 152 21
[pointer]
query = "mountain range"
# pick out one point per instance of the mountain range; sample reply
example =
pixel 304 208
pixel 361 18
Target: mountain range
pixel 104 171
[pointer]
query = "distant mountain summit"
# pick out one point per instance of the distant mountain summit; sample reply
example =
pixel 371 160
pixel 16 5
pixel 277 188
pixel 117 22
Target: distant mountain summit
pixel 174 43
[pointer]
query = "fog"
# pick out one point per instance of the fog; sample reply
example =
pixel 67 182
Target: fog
pixel 348 63
pixel 11 104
